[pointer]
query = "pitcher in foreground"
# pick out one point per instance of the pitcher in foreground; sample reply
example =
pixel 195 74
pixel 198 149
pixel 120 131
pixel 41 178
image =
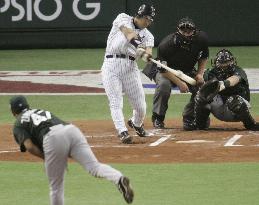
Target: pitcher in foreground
pixel 46 136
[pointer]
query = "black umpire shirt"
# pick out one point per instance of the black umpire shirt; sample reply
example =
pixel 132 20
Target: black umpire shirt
pixel 182 56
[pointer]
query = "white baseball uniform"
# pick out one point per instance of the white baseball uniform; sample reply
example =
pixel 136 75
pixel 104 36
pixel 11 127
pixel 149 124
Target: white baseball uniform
pixel 120 72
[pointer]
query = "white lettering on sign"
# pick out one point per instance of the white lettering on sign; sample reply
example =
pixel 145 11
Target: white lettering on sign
pixel 6 6
pixel 20 9
pixel 44 17
pixel 31 7
pixel 95 6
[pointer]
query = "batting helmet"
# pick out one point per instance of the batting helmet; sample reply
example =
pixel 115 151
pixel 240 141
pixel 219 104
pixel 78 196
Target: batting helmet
pixel 146 10
pixel 18 104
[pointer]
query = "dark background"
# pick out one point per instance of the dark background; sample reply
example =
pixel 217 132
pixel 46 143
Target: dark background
pixel 227 22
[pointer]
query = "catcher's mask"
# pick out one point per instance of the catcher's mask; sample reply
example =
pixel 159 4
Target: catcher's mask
pixel 186 30
pixel 18 104
pixel 146 11
pixel 224 61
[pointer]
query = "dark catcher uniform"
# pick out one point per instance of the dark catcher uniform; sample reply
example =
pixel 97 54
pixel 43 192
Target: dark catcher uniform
pixel 219 105
pixel 230 101
pixel 179 54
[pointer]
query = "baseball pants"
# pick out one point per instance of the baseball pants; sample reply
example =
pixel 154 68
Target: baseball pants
pixel 122 75
pixel 62 142
pixel 220 110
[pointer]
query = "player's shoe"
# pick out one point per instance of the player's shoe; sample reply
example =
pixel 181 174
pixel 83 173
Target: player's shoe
pixel 139 130
pixel 158 124
pixel 254 127
pixel 126 189
pixel 125 137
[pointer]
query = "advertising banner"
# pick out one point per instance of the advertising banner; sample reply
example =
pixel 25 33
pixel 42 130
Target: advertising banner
pixel 56 14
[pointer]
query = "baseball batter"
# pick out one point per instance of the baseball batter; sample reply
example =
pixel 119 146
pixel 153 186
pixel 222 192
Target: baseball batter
pixel 120 72
pixel 44 135
pixel 225 94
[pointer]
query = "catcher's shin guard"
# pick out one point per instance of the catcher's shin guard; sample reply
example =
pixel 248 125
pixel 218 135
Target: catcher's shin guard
pixel 188 124
pixel 201 116
pixel 196 117
pixel 188 117
pixel 239 107
pixel 201 110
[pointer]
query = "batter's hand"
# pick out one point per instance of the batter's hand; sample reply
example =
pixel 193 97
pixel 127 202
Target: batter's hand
pixel 183 87
pixel 146 57
pixel 199 79
pixel 141 53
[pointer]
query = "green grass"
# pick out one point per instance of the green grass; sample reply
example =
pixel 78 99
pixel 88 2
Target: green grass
pixel 164 184
pixel 72 108
pixel 51 59
pixel 81 59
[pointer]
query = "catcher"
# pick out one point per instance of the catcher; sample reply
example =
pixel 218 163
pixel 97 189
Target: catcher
pixel 225 94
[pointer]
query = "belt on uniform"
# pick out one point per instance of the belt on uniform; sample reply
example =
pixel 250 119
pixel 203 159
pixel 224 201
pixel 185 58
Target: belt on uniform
pixel 120 56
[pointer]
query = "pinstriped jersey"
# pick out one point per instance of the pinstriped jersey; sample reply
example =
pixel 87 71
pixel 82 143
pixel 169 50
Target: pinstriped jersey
pixel 117 42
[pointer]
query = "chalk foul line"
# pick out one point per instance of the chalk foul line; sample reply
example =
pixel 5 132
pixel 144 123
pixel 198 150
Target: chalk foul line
pixel 160 140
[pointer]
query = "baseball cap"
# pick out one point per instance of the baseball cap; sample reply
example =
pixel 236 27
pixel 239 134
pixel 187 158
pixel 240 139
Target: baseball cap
pixel 18 104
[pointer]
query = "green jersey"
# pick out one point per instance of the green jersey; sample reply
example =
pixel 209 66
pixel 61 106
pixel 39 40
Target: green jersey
pixel 242 88
pixel 34 124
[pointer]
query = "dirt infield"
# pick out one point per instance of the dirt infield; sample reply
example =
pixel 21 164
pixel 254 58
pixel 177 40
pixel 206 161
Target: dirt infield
pixel 224 142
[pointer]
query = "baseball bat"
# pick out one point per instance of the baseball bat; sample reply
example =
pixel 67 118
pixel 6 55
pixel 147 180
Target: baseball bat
pixel 177 73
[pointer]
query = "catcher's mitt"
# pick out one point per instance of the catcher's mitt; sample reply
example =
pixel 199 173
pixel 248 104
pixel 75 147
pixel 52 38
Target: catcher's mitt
pixel 209 90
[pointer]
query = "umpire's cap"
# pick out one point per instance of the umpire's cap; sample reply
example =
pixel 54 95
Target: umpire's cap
pixel 146 10
pixel 18 104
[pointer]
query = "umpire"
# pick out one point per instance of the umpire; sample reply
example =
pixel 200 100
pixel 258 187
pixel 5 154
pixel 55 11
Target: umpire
pixel 181 51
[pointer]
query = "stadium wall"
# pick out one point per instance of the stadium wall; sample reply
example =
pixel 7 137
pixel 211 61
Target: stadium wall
pixel 86 23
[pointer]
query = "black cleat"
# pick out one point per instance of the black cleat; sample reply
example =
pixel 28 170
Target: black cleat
pixel 125 188
pixel 254 127
pixel 158 124
pixel 125 137
pixel 139 130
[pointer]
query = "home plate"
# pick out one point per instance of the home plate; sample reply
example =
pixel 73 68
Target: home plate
pixel 194 141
